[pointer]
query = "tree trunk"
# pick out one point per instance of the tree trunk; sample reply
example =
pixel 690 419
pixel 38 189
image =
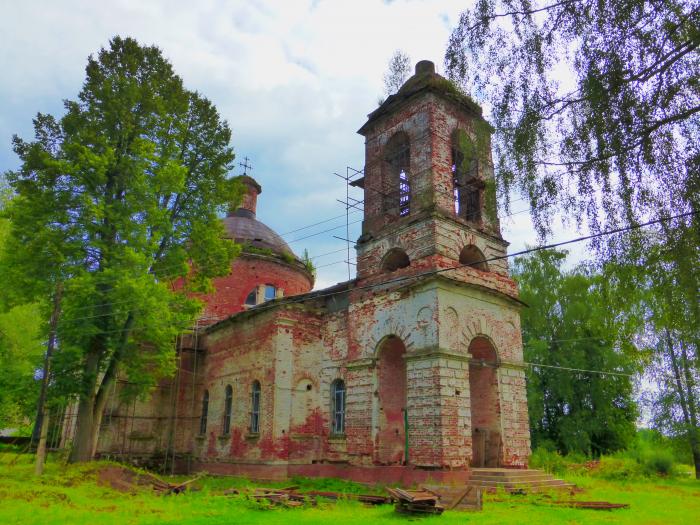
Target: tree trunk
pixel 82 442
pixel 109 379
pixel 692 402
pixel 686 398
pixel 43 415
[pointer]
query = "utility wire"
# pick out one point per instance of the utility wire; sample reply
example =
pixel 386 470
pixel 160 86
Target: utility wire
pixel 317 295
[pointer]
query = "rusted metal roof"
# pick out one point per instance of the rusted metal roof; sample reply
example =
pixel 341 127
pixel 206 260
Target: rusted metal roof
pixel 244 228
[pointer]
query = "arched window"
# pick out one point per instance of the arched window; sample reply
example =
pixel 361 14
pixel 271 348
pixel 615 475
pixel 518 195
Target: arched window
pixel 255 408
pixel 473 257
pixel 228 406
pixel 394 259
pixel 397 169
pixel 205 413
pixel 270 292
pixel 467 186
pixel 338 407
pixel 252 298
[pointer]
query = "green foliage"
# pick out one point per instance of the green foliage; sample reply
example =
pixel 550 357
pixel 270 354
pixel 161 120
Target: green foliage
pixel 596 116
pixel 118 200
pixel 21 349
pixel 72 495
pixel 594 103
pixel 570 324
pixel 308 263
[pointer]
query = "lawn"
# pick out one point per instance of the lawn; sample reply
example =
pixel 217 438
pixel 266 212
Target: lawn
pixel 72 495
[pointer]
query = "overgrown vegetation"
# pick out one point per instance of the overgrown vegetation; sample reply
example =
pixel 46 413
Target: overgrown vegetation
pixel 649 456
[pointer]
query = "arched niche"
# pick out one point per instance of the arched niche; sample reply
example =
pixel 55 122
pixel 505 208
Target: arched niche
pixel 485 403
pixel 391 396
pixel 473 257
pixel 395 259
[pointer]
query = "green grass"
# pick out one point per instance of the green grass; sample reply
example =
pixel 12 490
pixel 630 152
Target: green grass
pixel 70 495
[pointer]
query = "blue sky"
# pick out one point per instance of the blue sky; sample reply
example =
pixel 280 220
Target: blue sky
pixel 295 80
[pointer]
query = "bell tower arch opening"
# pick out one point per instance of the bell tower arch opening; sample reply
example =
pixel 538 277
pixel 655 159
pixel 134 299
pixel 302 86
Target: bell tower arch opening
pixel 395 259
pixel 468 186
pixel 390 447
pixel 473 257
pixel 485 404
pixel 396 170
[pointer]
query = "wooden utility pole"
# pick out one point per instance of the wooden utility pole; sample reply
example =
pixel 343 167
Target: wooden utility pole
pixel 43 413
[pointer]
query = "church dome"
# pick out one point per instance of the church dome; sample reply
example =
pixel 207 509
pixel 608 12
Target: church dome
pixel 266 269
pixel 243 227
pixel 249 231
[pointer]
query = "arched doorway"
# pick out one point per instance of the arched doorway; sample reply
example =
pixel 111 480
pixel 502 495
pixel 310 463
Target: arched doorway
pixel 391 392
pixel 485 404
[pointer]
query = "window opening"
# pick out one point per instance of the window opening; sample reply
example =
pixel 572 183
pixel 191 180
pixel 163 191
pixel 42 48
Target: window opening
pixel 205 413
pixel 397 175
pixel 338 407
pixel 395 259
pixel 270 292
pixel 252 298
pixel 473 257
pixel 228 406
pixel 255 408
pixel 467 187
pixel 404 194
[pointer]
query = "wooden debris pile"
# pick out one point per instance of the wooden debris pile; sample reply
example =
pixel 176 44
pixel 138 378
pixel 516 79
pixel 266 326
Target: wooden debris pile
pixel 290 497
pixel 368 499
pixel 127 480
pixel 594 505
pixel 286 497
pixel 416 501
pixel 463 498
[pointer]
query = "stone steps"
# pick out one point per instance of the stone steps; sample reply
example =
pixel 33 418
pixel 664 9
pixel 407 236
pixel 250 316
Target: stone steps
pixel 514 480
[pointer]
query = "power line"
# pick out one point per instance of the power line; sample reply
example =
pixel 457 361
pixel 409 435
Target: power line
pixel 601 372
pixel 318 295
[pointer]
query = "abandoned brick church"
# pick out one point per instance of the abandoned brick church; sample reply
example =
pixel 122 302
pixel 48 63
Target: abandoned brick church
pixel 413 369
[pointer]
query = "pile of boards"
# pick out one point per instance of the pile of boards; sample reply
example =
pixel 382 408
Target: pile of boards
pixel 290 497
pixel 416 501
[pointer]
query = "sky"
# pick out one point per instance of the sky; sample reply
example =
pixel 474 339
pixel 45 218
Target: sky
pixel 295 80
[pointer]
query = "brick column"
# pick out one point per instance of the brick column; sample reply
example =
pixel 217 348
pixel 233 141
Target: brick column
pixel 438 408
pixel 514 416
pixel 359 386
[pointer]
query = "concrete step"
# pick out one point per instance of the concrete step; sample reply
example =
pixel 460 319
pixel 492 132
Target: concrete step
pixel 506 472
pixel 524 479
pixel 554 483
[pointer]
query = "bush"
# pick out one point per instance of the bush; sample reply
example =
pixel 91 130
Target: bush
pixel 658 461
pixel 548 461
pixel 619 468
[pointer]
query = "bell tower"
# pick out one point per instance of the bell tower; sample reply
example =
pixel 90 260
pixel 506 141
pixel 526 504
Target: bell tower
pixel 428 183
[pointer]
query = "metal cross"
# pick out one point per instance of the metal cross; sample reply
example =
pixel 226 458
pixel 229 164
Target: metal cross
pixel 245 165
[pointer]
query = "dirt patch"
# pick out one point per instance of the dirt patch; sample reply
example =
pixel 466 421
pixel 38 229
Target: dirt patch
pixel 126 480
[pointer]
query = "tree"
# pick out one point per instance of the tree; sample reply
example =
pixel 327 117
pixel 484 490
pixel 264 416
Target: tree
pixel 663 284
pixel 596 110
pixel 570 326
pixel 21 334
pixel 398 71
pixel 117 203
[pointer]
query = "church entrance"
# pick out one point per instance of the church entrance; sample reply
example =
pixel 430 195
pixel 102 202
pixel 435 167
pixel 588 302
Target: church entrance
pixel 485 404
pixel 391 377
